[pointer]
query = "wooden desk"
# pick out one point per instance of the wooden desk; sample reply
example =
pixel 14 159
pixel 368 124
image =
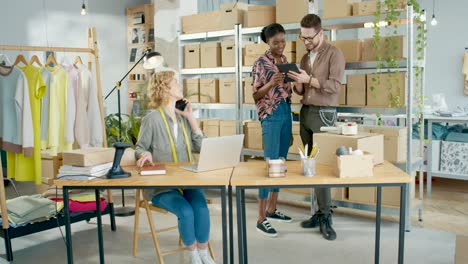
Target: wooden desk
pixel 174 178
pixel 252 175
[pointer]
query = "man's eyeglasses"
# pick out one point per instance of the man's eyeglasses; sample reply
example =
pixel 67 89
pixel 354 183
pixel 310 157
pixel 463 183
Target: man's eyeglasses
pixel 309 39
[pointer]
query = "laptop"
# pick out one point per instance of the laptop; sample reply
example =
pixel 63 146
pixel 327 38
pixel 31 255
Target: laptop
pixel 218 153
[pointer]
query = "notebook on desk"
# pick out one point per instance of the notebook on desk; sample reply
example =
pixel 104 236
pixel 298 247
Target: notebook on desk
pixel 218 153
pixel 153 169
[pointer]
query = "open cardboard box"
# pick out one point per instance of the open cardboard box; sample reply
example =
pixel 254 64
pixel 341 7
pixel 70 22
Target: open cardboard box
pixel 353 166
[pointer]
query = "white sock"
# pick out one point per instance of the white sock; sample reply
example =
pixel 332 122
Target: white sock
pixel 205 256
pixel 195 257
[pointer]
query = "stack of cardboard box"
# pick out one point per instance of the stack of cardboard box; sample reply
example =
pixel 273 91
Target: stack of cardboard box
pixel 297 141
pixel 253 135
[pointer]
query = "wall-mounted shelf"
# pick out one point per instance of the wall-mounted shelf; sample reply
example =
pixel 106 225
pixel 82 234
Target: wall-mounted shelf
pixel 208 70
pixel 214 106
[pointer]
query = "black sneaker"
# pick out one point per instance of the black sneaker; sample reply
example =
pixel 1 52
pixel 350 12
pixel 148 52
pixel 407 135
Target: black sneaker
pixel 266 229
pixel 278 217
pixel 313 222
pixel 326 227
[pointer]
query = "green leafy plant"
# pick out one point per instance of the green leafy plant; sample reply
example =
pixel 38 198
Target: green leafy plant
pixel 130 129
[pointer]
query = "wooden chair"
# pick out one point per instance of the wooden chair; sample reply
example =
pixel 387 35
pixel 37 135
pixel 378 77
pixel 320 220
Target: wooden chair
pixel 149 207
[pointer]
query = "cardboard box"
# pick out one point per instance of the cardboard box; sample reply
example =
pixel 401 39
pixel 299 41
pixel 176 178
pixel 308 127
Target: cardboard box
pixel 88 157
pixel 232 14
pixel 391 195
pixel 249 60
pixel 328 143
pixel 356 90
pixel 461 254
pixel 295 98
pixel 228 54
pixel 248 92
pixel 227 128
pixel 394 141
pixel 342 98
pixel 364 195
pixel 351 49
pixel 50 166
pixel 336 9
pixel 291 11
pixel 370 53
pixel 192 56
pixel 354 166
pixel 209 21
pixel 227 91
pixel 339 194
pixel 261 15
pixel 367 8
pixel 301 49
pixel 391 92
pixel 210 54
pixel 253 135
pixel 211 127
pixel 209 90
pixel 192 90
pixel 256 49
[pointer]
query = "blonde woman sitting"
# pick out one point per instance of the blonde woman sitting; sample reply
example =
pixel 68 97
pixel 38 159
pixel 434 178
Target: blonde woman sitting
pixel 170 135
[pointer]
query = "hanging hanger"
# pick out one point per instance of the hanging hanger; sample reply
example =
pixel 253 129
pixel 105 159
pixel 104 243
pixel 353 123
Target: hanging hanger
pixel 51 59
pixel 35 59
pixel 20 59
pixel 77 60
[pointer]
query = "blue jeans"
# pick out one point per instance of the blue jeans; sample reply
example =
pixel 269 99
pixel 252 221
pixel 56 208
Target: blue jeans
pixel 191 211
pixel 276 133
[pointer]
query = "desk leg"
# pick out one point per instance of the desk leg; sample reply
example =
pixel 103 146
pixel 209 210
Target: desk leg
pixel 66 212
pixel 244 228
pixel 231 227
pixel 224 223
pixel 401 239
pixel 429 158
pixel 239 225
pixel 378 215
pixel 112 216
pixel 7 240
pixel 99 226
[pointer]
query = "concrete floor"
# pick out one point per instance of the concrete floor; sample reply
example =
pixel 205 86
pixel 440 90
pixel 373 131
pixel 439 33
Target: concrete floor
pixel 355 242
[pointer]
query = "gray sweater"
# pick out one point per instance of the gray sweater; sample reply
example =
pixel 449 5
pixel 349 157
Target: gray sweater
pixel 153 137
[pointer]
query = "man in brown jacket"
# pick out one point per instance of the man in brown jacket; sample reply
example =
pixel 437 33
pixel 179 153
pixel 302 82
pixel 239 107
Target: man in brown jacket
pixel 319 81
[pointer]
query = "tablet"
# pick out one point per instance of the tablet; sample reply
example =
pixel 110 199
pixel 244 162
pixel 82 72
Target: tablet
pixel 285 68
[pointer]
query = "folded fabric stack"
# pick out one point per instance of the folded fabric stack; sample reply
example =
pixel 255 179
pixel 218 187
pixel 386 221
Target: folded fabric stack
pixel 27 209
pixel 79 200
pixel 93 171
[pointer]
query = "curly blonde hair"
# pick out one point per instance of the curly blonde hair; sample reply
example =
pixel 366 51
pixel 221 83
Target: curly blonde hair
pixel 159 87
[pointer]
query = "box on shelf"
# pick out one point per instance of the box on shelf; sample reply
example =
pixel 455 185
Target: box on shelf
pixel 351 49
pixel 210 55
pixel 256 49
pixel 248 92
pixel 260 15
pixel 461 254
pixel 454 157
pixel 342 98
pixel 50 166
pixel 356 90
pixel 253 135
pixel 291 11
pixel 227 90
pixel 364 195
pixel 211 127
pixel 192 90
pixel 370 52
pixel 367 8
pixel 295 98
pixel 352 166
pixel 394 141
pixel 232 14
pixel 384 96
pixel 436 144
pixel 209 90
pixel 192 56
pixel 297 141
pixel 228 53
pixel 336 8
pixel 301 50
pixel 203 22
pixel 329 142
pixel 227 128
pixel 339 194
pixel 391 195
pixel 88 157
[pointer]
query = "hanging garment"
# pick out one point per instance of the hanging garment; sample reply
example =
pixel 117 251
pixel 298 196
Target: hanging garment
pixel 465 71
pixel 46 76
pixel 57 111
pixel 29 168
pixel 72 88
pixel 88 126
pixel 15 116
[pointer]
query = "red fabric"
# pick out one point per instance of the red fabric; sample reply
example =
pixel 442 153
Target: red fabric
pixel 75 206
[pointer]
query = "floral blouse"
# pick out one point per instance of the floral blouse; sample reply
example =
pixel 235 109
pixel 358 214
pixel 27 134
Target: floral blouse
pixel 263 70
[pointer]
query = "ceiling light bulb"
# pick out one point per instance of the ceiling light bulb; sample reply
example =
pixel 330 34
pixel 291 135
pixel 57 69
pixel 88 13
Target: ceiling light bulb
pixel 434 21
pixel 423 17
pixel 83 10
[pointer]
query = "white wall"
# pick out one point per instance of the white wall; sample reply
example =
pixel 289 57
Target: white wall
pixel 60 22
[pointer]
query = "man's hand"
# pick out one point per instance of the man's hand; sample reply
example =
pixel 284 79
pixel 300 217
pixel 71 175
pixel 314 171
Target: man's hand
pixel 301 77
pixel 144 158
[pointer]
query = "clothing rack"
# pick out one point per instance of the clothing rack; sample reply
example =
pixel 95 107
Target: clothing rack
pixel 93 58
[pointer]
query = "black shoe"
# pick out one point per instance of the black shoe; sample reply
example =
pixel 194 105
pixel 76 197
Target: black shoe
pixel 326 228
pixel 266 229
pixel 278 217
pixel 313 222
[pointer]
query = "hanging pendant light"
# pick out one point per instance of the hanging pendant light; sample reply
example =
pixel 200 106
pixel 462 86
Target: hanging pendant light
pixel 433 20
pixel 83 9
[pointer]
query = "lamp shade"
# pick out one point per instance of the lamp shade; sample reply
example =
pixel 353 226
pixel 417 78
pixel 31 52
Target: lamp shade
pixel 153 60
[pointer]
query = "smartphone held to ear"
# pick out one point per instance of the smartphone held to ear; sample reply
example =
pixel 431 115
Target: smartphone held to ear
pixel 181 104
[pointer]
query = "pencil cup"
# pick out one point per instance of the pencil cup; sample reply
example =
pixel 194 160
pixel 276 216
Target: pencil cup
pixel 308 167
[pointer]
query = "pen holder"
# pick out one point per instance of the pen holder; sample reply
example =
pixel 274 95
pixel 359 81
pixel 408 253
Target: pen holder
pixel 276 168
pixel 308 167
